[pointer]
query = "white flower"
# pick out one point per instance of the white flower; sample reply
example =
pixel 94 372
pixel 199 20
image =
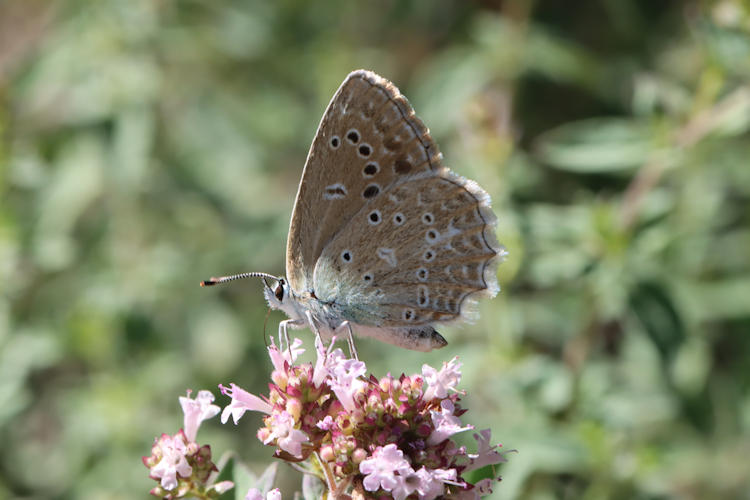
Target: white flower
pixel 196 411
pixel 287 437
pixel 433 482
pixel 172 461
pixel 380 470
pixel 440 382
pixel 344 377
pixel 446 424
pixel 407 483
pixel 428 483
pixel 242 401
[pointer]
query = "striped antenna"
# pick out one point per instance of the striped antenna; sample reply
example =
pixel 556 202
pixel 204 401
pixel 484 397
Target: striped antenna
pixel 224 279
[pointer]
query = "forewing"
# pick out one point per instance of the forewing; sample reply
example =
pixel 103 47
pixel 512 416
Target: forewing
pixel 367 140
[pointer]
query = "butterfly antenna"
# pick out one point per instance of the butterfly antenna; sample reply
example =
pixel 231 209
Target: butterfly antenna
pixel 225 279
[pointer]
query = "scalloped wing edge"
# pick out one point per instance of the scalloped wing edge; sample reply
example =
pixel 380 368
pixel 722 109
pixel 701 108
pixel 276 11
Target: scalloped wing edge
pixel 469 310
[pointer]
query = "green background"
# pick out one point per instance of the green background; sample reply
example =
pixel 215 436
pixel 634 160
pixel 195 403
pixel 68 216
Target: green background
pixel 146 145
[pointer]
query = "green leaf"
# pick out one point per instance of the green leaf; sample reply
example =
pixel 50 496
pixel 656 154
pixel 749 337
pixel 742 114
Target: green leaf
pixel 717 300
pixel 226 473
pixel 596 145
pixel 265 482
pixel 244 479
pixel 312 487
pixel 655 309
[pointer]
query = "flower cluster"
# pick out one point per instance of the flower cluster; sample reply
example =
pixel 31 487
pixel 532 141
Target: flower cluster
pixel 388 437
pixel 181 466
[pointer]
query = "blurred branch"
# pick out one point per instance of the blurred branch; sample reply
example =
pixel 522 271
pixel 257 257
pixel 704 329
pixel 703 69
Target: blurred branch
pixel 686 137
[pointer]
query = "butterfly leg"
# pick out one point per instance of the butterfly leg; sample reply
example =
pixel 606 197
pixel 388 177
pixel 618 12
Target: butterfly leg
pixel 283 334
pixel 313 327
pixel 349 338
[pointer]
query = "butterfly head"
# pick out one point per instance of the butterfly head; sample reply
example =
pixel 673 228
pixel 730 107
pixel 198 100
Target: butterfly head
pixel 277 292
pixel 279 295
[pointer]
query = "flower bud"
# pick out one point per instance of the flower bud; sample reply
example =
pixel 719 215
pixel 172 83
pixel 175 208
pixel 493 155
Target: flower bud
pixel 294 408
pixel 263 434
pixel 327 454
pixel 385 384
pixel 358 455
pixel 280 379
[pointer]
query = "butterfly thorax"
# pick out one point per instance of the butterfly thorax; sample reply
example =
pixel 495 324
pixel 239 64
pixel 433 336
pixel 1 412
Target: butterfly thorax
pixel 296 305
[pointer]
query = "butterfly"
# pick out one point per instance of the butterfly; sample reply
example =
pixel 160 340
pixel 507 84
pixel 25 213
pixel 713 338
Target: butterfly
pixel 384 241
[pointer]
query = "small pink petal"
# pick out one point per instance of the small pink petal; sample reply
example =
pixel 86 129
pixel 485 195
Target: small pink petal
pixel 242 401
pixel 196 411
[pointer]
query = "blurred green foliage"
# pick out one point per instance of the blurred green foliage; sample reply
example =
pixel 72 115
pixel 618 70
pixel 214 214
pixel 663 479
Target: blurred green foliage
pixel 148 144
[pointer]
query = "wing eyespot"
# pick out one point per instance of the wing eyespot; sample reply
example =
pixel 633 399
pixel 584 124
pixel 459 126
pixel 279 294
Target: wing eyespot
pixel 353 136
pixel 371 169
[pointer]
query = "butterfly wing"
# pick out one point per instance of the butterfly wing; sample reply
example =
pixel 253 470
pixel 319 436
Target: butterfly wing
pixel 415 255
pixel 368 137
pixel 404 243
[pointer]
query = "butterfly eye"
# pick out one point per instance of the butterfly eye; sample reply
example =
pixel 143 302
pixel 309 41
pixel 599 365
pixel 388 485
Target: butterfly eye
pixel 279 292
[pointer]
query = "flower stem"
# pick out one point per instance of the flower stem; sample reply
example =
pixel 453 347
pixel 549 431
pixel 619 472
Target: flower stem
pixel 330 481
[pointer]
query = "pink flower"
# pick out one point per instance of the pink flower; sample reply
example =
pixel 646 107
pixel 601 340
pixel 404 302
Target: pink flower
pixel 222 487
pixel 274 494
pixel 173 461
pixel 353 423
pixel 466 494
pixel 433 482
pixel 486 454
pixel 484 486
pixel 242 401
pixel 429 487
pixel 320 372
pixel 440 382
pixel 428 483
pixel 446 424
pixel 344 378
pixel 196 411
pixel 407 482
pixel 326 424
pixel 287 437
pixel 380 470
pixel 279 356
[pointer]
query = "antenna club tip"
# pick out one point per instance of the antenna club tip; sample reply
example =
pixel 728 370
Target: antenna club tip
pixel 210 282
